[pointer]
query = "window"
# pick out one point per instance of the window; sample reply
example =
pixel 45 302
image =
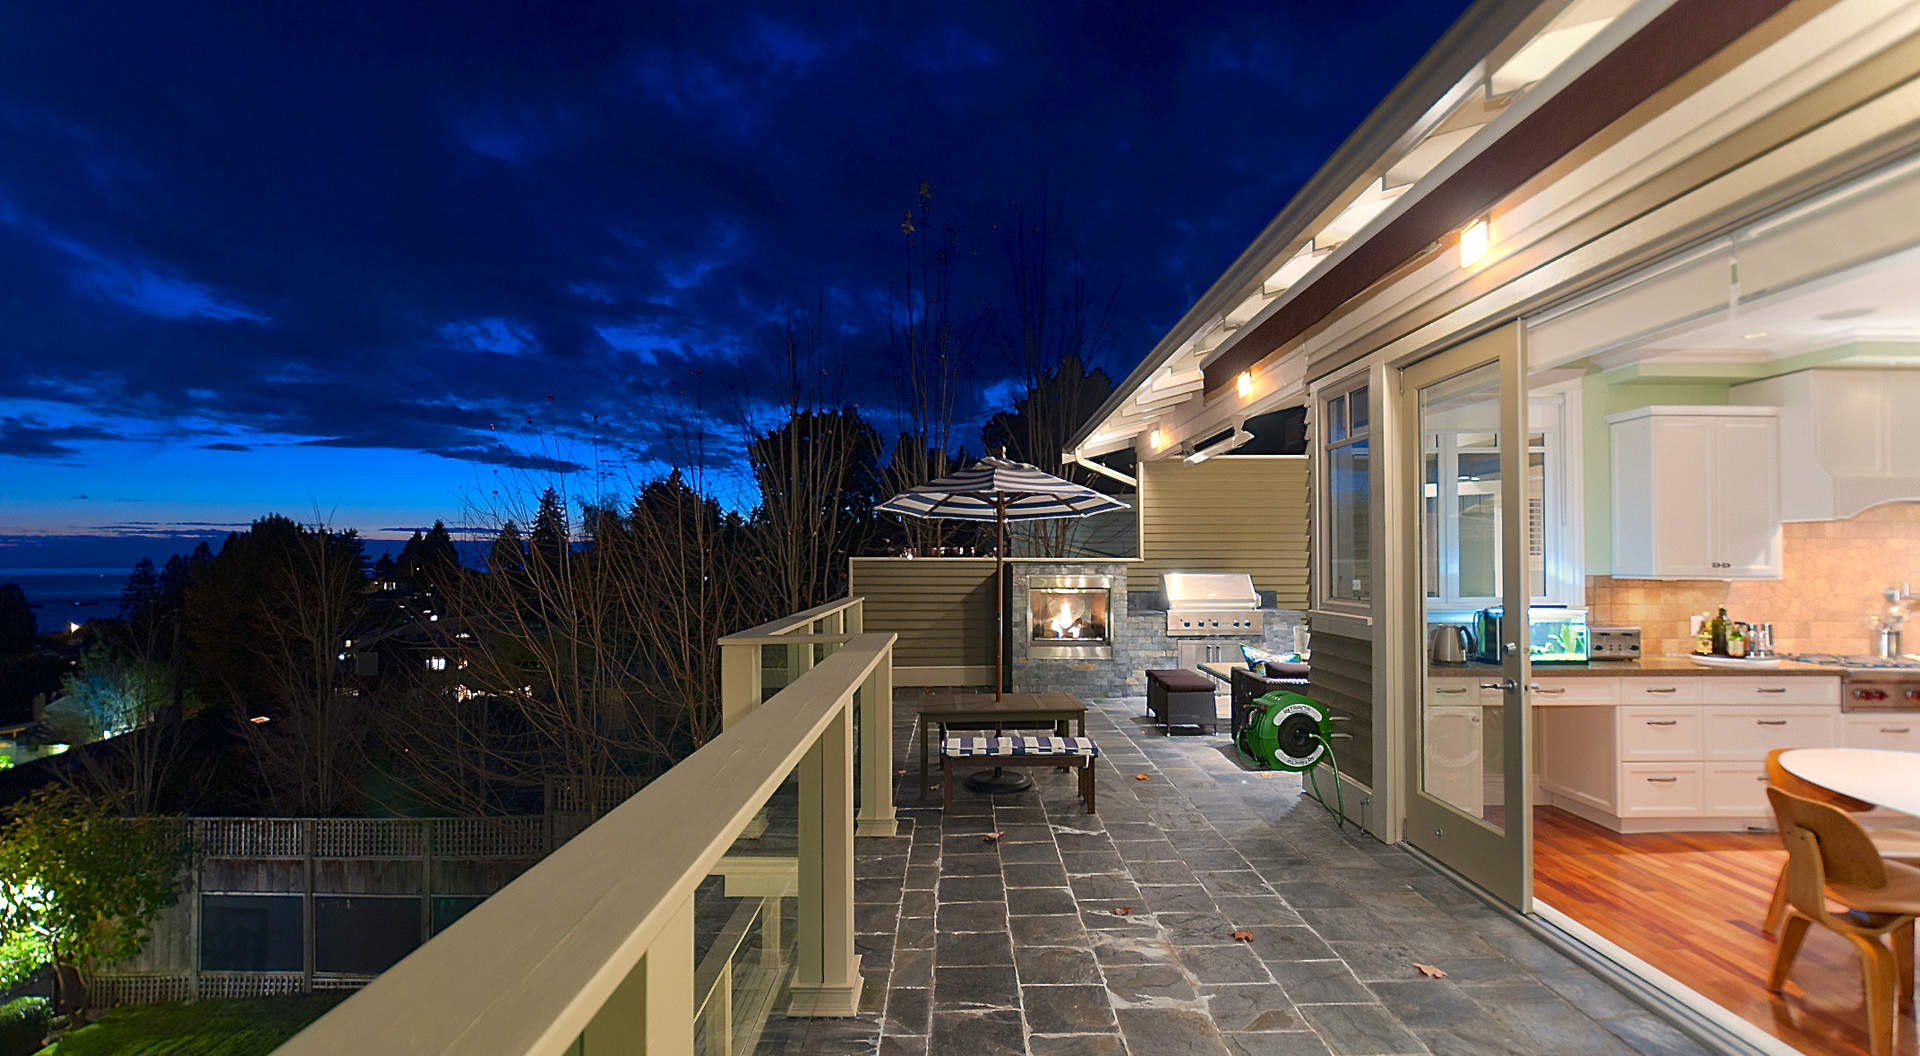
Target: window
pixel 1348 481
pixel 1460 489
pixel 437 663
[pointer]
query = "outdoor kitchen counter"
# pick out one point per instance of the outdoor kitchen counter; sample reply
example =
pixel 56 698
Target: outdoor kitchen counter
pixel 1656 667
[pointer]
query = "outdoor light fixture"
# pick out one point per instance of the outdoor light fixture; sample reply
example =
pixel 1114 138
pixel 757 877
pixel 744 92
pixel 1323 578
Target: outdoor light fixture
pixel 1244 384
pixel 1473 243
pixel 259 720
pixel 1199 455
pixel 1157 439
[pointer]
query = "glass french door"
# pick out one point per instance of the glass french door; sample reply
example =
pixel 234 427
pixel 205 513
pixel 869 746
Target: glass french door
pixel 1464 468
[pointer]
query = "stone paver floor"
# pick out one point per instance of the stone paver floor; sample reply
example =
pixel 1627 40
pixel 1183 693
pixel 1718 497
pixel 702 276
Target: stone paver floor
pixel 1014 945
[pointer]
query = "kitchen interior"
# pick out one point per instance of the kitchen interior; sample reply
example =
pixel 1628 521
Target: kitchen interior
pixel 1743 483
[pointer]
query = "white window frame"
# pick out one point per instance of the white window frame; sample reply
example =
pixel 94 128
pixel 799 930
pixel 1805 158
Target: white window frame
pixel 1333 389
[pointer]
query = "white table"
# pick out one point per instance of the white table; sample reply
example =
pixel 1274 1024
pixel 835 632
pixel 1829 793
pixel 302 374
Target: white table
pixel 1879 776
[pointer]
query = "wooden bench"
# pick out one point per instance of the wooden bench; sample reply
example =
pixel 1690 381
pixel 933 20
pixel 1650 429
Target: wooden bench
pixel 1179 696
pixel 1020 751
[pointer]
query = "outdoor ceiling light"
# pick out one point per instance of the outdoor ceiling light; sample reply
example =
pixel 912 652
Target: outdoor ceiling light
pixel 1473 243
pixel 1199 455
pixel 1156 439
pixel 1244 384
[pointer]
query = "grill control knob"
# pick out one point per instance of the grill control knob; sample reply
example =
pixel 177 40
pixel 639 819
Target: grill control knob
pixel 1913 694
pixel 1879 694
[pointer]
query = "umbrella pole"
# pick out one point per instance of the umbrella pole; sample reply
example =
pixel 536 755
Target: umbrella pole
pixel 999 597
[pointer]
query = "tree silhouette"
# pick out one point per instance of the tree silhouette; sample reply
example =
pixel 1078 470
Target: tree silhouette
pixel 17 628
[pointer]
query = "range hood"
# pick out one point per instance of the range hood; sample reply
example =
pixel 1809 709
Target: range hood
pixel 1864 448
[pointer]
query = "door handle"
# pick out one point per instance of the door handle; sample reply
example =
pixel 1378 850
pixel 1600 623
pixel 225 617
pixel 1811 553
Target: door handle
pixel 1504 685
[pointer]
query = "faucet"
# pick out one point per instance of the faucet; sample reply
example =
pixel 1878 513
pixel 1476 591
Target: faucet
pixel 1888 622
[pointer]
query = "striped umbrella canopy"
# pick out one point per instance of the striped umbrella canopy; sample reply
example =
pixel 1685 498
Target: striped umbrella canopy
pixel 995 486
pixel 998 489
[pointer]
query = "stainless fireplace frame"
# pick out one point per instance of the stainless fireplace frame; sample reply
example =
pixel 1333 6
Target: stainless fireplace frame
pixel 1068 648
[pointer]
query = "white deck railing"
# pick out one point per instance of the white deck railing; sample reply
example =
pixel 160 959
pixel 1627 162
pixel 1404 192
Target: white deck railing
pixel 592 950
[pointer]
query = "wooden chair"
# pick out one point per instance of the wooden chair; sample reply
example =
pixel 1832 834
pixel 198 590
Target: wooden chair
pixel 1899 845
pixel 1831 860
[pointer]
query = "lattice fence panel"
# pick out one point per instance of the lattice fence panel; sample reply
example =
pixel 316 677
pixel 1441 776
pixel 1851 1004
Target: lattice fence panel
pixel 250 984
pixel 521 837
pixel 369 838
pixel 249 837
pixel 105 991
pixel 340 982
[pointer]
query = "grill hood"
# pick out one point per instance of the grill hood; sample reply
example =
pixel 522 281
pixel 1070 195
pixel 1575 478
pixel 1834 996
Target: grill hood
pixel 1210 590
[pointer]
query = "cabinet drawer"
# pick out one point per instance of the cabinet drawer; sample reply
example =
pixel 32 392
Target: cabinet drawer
pixel 1899 730
pixel 1638 690
pixel 1661 790
pixel 1452 692
pixel 1737 790
pixel 1750 733
pixel 1775 690
pixel 1550 691
pixel 1660 734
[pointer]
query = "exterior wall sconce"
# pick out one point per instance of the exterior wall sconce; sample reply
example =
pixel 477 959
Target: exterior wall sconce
pixel 1156 440
pixel 1244 384
pixel 1473 243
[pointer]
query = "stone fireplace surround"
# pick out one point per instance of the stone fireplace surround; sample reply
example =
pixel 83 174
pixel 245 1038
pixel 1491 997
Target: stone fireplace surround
pixel 1137 624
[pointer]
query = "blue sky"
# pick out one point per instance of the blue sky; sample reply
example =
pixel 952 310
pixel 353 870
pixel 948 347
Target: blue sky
pixel 365 262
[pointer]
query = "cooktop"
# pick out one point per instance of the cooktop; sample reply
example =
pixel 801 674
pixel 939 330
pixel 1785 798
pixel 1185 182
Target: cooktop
pixel 1857 663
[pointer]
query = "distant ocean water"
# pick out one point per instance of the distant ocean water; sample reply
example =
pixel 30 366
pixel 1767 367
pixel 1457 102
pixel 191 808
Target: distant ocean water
pixel 60 596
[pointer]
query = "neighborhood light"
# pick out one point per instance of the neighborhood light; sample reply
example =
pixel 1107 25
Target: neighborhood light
pixel 72 627
pixel 1473 243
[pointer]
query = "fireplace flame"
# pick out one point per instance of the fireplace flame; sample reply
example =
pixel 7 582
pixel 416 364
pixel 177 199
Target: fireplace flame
pixel 1063 624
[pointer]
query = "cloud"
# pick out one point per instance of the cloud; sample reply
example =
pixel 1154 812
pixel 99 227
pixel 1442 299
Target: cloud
pixel 28 438
pixel 226 446
pixel 500 456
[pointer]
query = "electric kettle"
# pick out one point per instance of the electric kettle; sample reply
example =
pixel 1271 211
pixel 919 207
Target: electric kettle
pixel 1450 643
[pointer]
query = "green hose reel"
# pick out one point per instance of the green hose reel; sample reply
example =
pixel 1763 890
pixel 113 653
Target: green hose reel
pixel 1287 731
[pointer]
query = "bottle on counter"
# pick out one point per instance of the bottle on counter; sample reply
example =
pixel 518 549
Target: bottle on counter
pixel 1702 635
pixel 1718 629
pixel 1737 642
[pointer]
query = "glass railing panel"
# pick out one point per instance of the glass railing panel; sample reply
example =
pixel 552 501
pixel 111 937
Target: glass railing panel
pixel 744 928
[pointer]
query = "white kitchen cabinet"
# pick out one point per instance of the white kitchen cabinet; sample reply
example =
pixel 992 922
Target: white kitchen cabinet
pixel 1852 445
pixel 1898 730
pixel 1696 493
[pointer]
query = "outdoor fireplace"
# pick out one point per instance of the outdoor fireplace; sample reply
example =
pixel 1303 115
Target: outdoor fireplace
pixel 1068 617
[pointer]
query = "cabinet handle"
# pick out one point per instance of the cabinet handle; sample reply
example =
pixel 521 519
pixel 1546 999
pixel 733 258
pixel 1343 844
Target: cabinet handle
pixel 1769 722
pixel 1449 691
pixel 1771 689
pixel 1668 689
pixel 1663 780
pixel 1663 722
pixel 1902 729
pixel 1762 777
pixel 1550 692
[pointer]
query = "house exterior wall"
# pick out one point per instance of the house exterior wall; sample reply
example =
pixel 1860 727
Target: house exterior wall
pixel 1228 514
pixel 942 609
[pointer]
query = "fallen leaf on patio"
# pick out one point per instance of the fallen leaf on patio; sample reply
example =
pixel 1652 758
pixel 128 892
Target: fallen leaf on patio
pixel 1430 971
pixel 899 773
pixel 1123 911
pixel 992 837
pixel 1243 936
pixel 1142 777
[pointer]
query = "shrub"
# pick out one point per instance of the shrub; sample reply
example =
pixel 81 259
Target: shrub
pixel 24 1022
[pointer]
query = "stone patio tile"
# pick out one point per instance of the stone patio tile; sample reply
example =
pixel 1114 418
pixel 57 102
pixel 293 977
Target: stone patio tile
pixel 1287 943
pixel 1251 1007
pixel 978 1033
pixel 1170 1030
pixel 1178 898
pixel 1148 984
pixel 908 1010
pixel 1318 982
pixel 1076 1045
pixel 955 917
pixel 965 989
pixel 1048 930
pixel 1287 1043
pixel 1540 1016
pixel 1224 964
pixel 972 888
pixel 1034 874
pixel 1038 901
pixel 1067 1009
pixel 1363 1030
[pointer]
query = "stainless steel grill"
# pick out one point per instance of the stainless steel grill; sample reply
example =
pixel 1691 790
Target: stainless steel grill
pixel 1212 603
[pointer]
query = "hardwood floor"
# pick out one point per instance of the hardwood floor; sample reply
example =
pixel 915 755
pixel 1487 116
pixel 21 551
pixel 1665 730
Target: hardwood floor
pixel 1690 904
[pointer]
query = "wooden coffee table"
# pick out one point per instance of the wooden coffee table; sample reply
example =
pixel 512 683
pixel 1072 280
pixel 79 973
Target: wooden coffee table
pixel 1013 711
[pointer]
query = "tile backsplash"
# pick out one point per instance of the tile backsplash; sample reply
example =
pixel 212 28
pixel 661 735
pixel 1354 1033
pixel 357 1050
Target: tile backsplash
pixel 1832 573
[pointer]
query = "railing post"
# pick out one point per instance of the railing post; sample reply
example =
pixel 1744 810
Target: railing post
pixel 739 681
pixel 651 1011
pixel 826 978
pixel 876 750
pixel 856 611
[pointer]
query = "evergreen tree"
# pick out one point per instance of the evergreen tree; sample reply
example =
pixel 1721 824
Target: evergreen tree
pixel 551 533
pixel 509 553
pixel 140 591
pixel 385 567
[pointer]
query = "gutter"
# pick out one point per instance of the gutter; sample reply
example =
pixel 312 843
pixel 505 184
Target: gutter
pixel 1071 458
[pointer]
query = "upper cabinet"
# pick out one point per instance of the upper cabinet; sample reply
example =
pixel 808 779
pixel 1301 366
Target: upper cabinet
pixel 1861 449
pixel 1696 493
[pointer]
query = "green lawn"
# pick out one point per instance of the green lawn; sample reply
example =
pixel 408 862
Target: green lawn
pixel 250 1027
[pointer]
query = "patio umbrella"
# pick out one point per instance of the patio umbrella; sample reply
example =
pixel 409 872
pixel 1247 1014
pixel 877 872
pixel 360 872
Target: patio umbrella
pixel 999 489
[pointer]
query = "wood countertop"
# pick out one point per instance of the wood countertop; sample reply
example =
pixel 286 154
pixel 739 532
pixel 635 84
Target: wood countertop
pixel 1656 667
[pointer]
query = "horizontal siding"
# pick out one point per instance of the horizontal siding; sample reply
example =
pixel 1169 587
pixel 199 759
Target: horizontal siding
pixel 1227 514
pixel 1342 681
pixel 942 608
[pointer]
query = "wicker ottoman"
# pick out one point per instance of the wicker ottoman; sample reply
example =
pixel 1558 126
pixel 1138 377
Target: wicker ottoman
pixel 1176 696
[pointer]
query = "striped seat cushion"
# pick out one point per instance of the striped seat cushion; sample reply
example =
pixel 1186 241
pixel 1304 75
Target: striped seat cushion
pixel 963 747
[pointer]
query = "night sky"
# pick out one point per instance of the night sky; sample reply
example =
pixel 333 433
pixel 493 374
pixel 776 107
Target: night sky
pixel 356 265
